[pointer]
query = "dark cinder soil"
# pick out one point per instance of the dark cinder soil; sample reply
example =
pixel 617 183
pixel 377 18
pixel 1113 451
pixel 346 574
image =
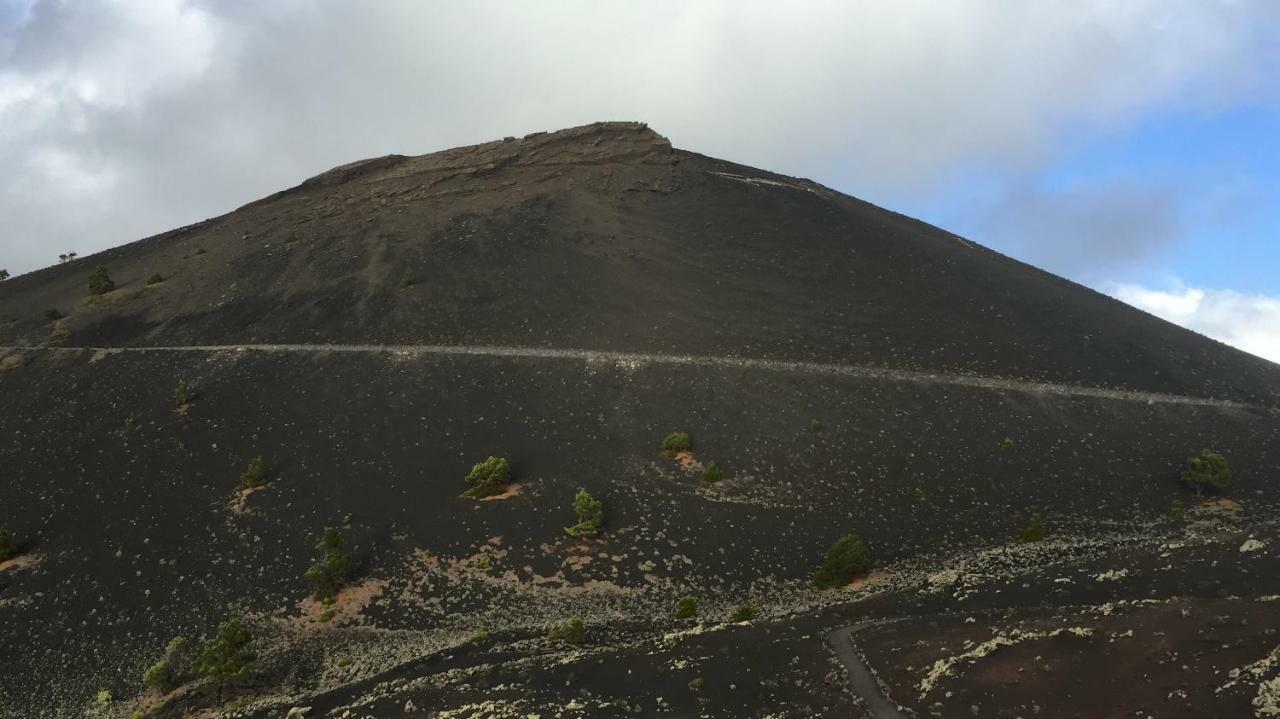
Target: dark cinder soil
pixel 668 268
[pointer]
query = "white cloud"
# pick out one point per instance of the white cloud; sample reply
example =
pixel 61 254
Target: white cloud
pixel 192 107
pixel 1248 322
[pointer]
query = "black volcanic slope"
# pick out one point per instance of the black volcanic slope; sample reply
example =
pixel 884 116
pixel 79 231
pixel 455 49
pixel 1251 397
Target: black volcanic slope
pixel 566 300
pixel 605 237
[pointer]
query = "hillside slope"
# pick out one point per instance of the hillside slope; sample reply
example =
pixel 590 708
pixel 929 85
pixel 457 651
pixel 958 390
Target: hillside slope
pixel 565 301
pixel 604 237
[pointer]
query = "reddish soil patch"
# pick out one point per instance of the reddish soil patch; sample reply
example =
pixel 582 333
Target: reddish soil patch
pixel 20 562
pixel 511 490
pixel 240 500
pixel 688 463
pixel 348 608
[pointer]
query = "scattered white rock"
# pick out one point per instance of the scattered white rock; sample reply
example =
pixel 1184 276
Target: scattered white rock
pixel 1252 545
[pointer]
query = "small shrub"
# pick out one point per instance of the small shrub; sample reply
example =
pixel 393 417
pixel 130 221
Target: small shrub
pixel 488 477
pixel 815 425
pixel 484 563
pixel 53 314
pixel 8 545
pixel 171 667
pixel 590 515
pixel 1178 511
pixel 744 612
pixel 675 443
pixel 712 473
pixel 155 278
pixel 1035 530
pixel 255 475
pixel 4 274
pixel 844 560
pixel 571 632
pixel 1208 470
pixel 181 394
pixel 227 656
pixel 696 684
pixel 1007 444
pixel 686 608
pixel 329 575
pixel 326 616
pixel 921 497
pixel 199 251
pixel 407 282
pixel 103 698
pixel 479 635
pixel 100 282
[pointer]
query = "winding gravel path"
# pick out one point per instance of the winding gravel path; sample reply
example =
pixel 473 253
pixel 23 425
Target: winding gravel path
pixel 641 359
pixel 861 680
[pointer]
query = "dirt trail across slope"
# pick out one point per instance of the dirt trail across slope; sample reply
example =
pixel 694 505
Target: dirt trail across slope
pixel 861 680
pixel 638 360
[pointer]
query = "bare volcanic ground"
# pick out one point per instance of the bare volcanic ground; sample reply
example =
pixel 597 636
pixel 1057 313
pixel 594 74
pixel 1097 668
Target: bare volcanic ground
pixel 129 509
pixel 565 301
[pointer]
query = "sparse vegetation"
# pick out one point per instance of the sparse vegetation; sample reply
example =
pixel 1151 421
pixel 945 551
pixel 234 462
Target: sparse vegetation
pixel 329 575
pixel 590 515
pixel 67 257
pixel 744 612
pixel 920 496
pixel 815 425
pixel 1035 529
pixel 155 278
pixel 8 545
pixel 200 251
pixel 1006 444
pixel 1208 470
pixel 53 314
pixel 844 560
pixel 182 394
pixel 255 475
pixel 712 473
pixel 1178 511
pixel 479 635
pixel 675 443
pixel 686 608
pixel 484 563
pixel 227 656
pixel 488 477
pixel 571 632
pixel 100 282
pixel 171 667
pixel 407 282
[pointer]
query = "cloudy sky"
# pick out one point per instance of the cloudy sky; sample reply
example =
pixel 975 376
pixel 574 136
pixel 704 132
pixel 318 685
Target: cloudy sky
pixel 1132 146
